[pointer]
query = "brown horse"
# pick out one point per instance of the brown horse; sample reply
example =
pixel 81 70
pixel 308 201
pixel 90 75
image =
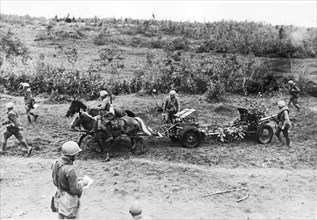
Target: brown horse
pixel 129 126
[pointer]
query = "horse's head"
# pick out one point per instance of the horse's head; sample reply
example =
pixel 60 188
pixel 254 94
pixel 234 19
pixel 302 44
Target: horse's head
pixel 75 106
pixel 85 120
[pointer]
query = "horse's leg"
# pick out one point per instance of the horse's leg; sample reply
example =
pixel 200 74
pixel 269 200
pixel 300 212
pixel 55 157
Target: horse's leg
pixel 81 138
pixel 133 144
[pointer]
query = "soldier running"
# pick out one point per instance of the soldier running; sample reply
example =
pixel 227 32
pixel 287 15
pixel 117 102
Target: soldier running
pixel 294 94
pixel 29 101
pixel 14 128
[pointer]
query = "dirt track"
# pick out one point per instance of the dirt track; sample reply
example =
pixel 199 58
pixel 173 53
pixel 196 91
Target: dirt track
pixel 168 179
pixel 166 190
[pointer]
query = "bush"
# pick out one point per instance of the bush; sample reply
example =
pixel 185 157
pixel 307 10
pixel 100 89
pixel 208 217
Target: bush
pixel 12 46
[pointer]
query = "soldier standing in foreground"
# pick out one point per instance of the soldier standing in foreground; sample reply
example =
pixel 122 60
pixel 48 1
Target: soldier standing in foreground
pixel 69 188
pixel 14 128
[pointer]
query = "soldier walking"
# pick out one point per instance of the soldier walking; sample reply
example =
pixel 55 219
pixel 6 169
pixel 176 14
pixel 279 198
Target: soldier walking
pixel 29 101
pixel 284 123
pixel 294 95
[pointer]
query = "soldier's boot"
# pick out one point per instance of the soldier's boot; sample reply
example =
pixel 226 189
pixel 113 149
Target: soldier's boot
pixel 288 142
pixel 29 119
pixel 29 149
pixel 35 117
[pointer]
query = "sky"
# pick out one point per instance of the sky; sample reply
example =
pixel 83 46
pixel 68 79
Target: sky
pixel 284 12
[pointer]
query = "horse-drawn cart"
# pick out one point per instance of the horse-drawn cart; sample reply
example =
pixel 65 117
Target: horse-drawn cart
pixel 186 130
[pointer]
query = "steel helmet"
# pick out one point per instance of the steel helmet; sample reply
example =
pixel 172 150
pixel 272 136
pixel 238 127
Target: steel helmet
pixel 281 104
pixel 9 105
pixel 291 82
pixel 135 208
pixel 103 93
pixel 70 148
pixel 25 84
pixel 172 93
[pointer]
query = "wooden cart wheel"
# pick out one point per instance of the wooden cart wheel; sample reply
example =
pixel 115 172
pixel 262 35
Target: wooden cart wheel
pixel 190 137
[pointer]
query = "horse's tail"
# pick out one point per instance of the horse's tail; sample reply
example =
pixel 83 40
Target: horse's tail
pixel 143 127
pixel 130 113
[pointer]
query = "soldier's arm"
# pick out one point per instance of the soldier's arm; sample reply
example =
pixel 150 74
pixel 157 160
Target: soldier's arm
pixel 165 104
pixel 287 120
pixel 177 105
pixel 13 119
pixel 75 187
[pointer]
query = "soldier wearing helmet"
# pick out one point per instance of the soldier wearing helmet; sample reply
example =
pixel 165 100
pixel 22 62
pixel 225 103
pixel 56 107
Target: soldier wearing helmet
pixel 69 187
pixel 294 94
pixel 171 106
pixel 106 103
pixel 284 123
pixel 136 211
pixel 14 128
pixel 29 101
pixel 106 112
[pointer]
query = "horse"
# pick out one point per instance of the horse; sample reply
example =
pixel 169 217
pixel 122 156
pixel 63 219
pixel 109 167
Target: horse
pixel 127 125
pixel 77 105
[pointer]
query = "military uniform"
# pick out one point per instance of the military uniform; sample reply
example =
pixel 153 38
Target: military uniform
pixel 14 128
pixel 69 190
pixel 294 95
pixel 171 107
pixel 283 125
pixel 29 104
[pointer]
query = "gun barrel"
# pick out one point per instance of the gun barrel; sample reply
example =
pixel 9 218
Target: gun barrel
pixel 268 118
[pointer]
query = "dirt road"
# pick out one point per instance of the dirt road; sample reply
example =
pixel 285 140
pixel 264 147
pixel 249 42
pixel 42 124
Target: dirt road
pixel 166 190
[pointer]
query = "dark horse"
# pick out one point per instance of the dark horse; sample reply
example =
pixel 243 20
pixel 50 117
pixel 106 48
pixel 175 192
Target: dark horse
pixel 128 125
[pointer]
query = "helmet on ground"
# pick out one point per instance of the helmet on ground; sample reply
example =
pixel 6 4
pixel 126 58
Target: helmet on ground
pixel 70 148
pixel 25 84
pixel 103 93
pixel 281 104
pixel 291 82
pixel 172 93
pixel 9 105
pixel 135 208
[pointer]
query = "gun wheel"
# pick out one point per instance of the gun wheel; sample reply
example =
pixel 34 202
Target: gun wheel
pixel 264 134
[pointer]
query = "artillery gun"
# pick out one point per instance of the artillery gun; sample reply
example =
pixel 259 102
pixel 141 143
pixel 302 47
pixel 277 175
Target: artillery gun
pixel 254 125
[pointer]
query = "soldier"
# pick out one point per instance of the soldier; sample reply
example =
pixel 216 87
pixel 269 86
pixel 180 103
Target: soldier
pixel 136 212
pixel 106 113
pixel 294 94
pixel 69 188
pixel 14 128
pixel 29 101
pixel 171 106
pixel 284 123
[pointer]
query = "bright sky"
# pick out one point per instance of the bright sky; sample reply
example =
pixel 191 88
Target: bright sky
pixel 292 12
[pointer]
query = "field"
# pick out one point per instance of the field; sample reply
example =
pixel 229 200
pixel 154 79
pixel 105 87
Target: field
pixel 170 181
